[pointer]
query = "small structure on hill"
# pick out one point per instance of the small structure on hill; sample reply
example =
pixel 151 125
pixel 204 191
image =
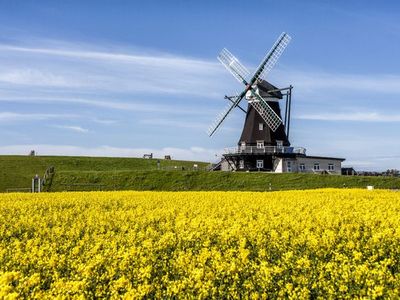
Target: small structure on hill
pixel 148 156
pixel 264 143
pixel 349 171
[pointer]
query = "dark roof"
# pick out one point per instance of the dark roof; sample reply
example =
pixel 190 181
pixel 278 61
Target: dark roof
pixel 348 168
pixel 325 157
pixel 265 86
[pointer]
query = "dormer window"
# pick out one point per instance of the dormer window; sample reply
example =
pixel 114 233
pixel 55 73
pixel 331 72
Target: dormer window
pixel 260 126
pixel 260 144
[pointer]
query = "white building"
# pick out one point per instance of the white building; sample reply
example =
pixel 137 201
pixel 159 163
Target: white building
pixel 278 160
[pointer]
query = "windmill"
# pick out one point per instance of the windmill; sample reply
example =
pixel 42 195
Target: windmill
pixel 256 88
pixel 264 143
pixel 263 127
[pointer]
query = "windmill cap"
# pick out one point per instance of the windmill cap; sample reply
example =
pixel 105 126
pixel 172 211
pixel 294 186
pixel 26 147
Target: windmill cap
pixel 265 86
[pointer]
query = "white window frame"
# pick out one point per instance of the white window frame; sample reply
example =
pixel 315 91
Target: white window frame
pixel 260 144
pixel 241 164
pixel 331 167
pixel 302 167
pixel 260 164
pixel 260 126
pixel 316 167
pixel 243 146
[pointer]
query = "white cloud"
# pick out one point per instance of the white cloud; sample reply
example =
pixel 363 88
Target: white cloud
pixel 72 128
pixel 351 116
pixel 36 78
pixel 133 105
pixel 23 117
pixel 110 71
pixel 104 121
pixel 314 81
pixel 175 123
pixel 162 60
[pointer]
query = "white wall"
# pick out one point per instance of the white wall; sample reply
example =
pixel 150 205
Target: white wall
pixel 309 165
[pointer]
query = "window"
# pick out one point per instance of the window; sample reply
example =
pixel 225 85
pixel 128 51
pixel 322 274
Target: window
pixel 279 146
pixel 260 164
pixel 302 167
pixel 331 167
pixel 289 166
pixel 260 126
pixel 260 144
pixel 316 167
pixel 243 146
pixel 241 164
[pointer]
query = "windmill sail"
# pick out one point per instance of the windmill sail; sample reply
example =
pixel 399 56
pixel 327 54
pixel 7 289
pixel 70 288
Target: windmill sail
pixel 272 57
pixel 266 112
pixel 233 65
pixel 223 114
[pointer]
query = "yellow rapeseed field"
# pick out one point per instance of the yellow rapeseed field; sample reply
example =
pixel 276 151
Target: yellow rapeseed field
pixel 297 244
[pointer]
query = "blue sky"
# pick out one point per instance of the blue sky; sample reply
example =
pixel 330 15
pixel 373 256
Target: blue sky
pixel 123 78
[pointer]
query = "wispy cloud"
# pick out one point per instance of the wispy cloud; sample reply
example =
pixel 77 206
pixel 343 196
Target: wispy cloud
pixel 315 81
pixel 23 117
pixel 104 121
pixel 351 116
pixel 36 78
pixel 175 123
pixel 162 60
pixel 133 105
pixel 110 71
pixel 72 128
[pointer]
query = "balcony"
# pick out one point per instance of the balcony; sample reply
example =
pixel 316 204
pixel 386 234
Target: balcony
pixel 265 150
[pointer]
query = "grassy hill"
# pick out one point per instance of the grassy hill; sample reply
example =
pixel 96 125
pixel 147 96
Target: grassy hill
pixel 17 171
pixel 105 173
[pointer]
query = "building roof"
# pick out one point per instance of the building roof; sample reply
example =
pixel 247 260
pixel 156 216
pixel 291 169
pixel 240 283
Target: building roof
pixel 324 157
pixel 266 87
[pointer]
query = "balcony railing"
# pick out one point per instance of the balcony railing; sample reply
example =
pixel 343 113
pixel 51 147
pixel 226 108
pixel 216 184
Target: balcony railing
pixel 265 149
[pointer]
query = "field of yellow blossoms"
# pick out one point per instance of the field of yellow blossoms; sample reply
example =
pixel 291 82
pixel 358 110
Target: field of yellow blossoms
pixel 297 244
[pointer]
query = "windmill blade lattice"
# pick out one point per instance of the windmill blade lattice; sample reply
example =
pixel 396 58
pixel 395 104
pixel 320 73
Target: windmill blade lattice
pixel 233 65
pixel 223 114
pixel 272 56
pixel 236 68
pixel 266 112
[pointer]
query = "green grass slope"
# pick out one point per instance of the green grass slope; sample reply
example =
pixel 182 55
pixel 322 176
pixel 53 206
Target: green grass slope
pixel 17 171
pixel 222 181
pixel 104 173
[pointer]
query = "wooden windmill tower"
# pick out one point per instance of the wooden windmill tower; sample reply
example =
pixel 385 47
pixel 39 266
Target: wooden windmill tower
pixel 264 134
